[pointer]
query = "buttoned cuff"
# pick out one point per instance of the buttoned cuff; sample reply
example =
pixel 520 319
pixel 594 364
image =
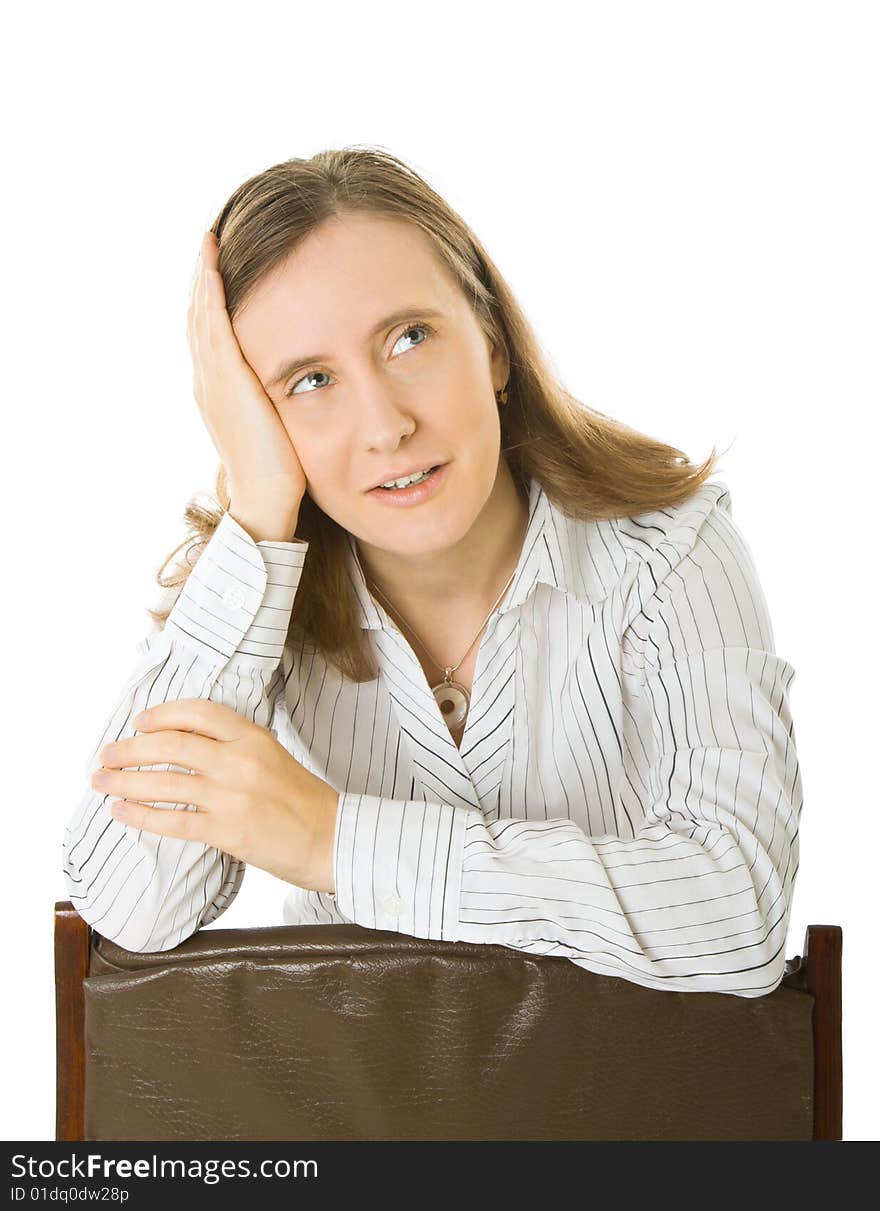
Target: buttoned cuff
pixel 397 864
pixel 236 603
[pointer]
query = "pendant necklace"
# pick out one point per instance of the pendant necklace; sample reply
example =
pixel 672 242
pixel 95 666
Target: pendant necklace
pixel 451 697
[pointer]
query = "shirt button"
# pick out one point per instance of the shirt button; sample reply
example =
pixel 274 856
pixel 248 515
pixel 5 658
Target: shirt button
pixel 234 598
pixel 392 904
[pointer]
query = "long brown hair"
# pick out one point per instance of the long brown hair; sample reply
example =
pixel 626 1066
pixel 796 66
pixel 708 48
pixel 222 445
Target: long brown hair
pixel 590 465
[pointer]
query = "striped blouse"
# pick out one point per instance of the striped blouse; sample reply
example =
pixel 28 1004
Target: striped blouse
pixel 626 794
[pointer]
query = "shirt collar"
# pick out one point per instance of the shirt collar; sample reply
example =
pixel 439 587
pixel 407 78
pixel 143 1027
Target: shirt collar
pixel 556 552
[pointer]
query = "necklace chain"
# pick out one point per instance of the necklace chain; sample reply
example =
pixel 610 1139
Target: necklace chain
pixel 451 697
pixel 451 669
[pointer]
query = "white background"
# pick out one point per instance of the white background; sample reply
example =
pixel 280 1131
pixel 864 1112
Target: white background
pixel 684 196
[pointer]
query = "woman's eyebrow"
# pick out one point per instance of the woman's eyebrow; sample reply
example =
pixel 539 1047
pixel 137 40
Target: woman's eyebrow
pixel 293 364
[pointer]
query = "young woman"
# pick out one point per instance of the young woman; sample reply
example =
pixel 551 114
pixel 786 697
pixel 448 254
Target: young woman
pixel 456 655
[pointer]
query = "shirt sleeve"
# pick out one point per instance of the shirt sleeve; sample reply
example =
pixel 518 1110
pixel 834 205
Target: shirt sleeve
pixel 223 640
pixel 698 900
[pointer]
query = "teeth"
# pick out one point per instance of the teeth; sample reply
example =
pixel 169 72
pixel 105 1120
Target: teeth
pixel 402 483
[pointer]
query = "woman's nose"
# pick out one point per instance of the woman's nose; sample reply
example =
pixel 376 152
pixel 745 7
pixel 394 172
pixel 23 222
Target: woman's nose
pixel 385 418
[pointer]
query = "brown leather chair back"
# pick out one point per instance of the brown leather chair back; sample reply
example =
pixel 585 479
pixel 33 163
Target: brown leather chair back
pixel 334 1032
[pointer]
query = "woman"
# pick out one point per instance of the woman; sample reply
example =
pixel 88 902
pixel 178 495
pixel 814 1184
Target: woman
pixel 531 699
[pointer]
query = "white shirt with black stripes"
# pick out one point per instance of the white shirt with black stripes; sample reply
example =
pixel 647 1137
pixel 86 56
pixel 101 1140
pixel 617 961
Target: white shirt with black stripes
pixel 626 794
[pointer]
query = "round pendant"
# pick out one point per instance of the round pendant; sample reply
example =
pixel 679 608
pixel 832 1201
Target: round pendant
pixel 453 701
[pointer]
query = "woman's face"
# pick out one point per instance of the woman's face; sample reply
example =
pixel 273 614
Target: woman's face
pixel 382 396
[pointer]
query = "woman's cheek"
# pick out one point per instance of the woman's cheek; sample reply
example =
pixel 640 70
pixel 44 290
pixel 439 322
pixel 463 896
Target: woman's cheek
pixel 322 458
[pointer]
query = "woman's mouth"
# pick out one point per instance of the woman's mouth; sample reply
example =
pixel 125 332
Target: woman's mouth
pixel 423 489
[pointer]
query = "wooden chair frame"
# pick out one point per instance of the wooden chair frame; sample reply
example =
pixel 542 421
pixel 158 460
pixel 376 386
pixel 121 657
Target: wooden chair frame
pixel 821 961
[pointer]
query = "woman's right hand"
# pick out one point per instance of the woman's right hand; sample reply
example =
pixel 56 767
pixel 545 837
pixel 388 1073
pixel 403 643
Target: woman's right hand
pixel 265 477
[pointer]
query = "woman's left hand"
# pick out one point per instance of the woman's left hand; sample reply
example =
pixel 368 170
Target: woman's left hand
pixel 255 801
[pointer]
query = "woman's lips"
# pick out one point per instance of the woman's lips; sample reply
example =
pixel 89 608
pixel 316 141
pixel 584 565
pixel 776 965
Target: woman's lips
pixel 415 493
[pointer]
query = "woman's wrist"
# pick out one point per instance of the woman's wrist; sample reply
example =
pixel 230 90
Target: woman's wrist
pixel 265 526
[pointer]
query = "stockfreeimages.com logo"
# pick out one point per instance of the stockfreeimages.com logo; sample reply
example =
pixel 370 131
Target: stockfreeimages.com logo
pixel 108 1168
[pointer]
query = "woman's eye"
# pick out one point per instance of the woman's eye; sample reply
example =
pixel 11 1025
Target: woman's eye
pixel 317 373
pixel 413 328
pixel 305 377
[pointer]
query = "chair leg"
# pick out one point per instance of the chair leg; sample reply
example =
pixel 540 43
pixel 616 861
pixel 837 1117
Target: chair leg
pixel 72 946
pixel 823 951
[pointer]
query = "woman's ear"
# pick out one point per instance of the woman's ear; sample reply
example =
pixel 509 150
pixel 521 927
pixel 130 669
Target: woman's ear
pixel 500 365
